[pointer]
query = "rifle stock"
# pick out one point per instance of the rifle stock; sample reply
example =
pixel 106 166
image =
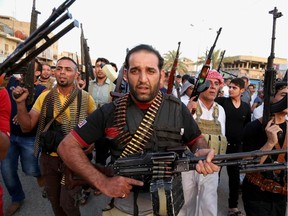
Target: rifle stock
pixel 201 85
pixel 173 71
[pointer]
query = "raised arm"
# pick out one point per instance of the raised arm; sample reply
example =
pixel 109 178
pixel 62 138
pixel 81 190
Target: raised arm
pixel 70 150
pixel 27 120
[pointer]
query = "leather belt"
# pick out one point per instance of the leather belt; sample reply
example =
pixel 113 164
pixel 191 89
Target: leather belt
pixel 266 184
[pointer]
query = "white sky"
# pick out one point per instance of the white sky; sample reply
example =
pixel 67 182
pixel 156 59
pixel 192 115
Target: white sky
pixel 111 26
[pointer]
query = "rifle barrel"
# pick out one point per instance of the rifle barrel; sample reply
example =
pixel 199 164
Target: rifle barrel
pixel 40 49
pixel 173 71
pixel 201 85
pixel 8 66
pixel 240 155
pixel 270 73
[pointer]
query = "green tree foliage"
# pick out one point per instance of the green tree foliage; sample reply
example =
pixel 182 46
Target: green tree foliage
pixel 215 60
pixel 169 60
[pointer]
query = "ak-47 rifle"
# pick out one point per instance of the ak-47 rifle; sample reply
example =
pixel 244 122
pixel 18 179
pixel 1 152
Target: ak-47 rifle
pixel 221 59
pixel 173 71
pixel 220 65
pixel 87 67
pixel 270 77
pixel 13 63
pixel 80 68
pixel 201 83
pixel 28 77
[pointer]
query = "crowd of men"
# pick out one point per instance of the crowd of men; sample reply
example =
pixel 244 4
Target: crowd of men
pixel 66 130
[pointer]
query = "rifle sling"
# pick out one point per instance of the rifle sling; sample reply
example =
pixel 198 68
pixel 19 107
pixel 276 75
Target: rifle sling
pixel 49 99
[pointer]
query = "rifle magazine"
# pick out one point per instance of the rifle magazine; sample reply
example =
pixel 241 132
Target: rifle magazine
pixel 167 195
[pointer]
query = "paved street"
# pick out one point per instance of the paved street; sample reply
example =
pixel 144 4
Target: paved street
pixel 35 205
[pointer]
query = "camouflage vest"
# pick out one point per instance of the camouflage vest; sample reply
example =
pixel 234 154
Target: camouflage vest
pixel 211 129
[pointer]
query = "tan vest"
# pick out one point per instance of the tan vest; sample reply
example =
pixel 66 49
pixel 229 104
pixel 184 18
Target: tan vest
pixel 211 130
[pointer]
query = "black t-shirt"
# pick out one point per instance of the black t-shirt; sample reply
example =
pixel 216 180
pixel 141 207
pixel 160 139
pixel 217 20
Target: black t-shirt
pixel 101 120
pixel 254 138
pixel 236 119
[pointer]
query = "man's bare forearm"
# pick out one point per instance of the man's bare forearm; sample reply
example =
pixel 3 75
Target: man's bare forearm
pixel 23 117
pixel 200 143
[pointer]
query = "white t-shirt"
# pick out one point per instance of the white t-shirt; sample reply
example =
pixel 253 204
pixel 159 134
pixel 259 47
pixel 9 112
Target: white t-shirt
pixel 225 90
pixel 185 99
pixel 257 112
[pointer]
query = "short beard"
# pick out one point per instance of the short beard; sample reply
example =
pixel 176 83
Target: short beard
pixel 147 98
pixel 62 84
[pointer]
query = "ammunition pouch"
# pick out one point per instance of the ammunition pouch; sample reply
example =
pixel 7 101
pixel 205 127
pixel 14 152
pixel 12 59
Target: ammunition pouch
pixel 50 140
pixel 167 195
pixel 217 142
pixel 267 184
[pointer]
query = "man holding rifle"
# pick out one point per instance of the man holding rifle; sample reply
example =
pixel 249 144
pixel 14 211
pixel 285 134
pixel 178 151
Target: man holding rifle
pixel 136 122
pixel 265 193
pixel 57 112
pixel 200 191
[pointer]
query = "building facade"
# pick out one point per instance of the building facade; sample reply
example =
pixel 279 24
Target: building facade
pixel 253 67
pixel 14 32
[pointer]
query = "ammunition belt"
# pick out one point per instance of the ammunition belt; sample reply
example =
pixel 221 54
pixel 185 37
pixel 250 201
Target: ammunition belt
pixel 135 143
pixel 266 184
pixel 66 123
pixel 50 99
